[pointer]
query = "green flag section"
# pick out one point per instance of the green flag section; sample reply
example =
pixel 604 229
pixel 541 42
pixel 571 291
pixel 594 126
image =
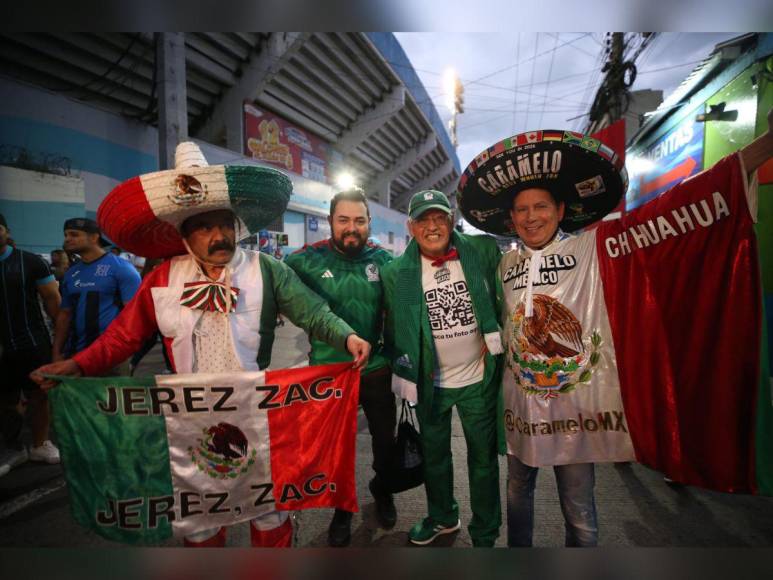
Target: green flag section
pixel 764 432
pixel 148 458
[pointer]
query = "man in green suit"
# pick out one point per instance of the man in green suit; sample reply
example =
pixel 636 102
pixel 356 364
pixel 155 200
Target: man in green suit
pixel 443 338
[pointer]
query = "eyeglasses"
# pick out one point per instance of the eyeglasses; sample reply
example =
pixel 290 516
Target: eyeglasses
pixel 436 220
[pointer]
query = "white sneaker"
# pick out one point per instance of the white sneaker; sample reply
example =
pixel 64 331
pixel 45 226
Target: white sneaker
pixel 46 453
pixel 11 459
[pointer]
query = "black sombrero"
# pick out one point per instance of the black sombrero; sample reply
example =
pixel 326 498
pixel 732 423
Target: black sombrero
pixel 579 170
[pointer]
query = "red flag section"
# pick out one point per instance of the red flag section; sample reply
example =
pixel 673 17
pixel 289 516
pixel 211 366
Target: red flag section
pixel 682 289
pixel 313 445
pixel 765 172
pixel 614 138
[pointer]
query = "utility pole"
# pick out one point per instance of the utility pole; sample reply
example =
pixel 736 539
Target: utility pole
pixel 614 66
pixel 454 92
pixel 613 96
pixel 458 110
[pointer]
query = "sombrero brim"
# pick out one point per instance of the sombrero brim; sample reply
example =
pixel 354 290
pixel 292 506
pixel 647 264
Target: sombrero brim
pixel 143 215
pixel 579 170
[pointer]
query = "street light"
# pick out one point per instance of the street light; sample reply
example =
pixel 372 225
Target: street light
pixel 345 180
pixel 454 94
pixel 450 79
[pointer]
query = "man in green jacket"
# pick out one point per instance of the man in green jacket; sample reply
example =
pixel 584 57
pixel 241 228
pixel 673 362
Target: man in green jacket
pixel 443 338
pixel 345 271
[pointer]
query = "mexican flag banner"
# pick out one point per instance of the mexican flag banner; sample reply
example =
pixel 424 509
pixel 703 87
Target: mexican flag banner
pixel 683 290
pixel 148 458
pixel 642 339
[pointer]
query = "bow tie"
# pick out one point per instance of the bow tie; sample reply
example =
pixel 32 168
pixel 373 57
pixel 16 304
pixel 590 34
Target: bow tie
pixel 452 254
pixel 207 296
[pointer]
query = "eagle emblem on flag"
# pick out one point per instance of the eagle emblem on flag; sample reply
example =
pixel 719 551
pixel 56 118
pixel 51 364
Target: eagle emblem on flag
pixel 223 452
pixel 549 355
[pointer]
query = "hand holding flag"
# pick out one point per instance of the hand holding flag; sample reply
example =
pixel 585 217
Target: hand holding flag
pixel 66 368
pixel 760 150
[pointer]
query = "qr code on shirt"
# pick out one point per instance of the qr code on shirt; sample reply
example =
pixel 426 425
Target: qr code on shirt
pixel 449 306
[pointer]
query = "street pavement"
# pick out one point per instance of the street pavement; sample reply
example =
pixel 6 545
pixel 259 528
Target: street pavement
pixel 635 506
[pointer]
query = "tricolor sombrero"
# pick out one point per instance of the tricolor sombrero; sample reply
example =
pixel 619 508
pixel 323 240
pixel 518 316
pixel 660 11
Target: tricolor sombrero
pixel 143 215
pixel 579 170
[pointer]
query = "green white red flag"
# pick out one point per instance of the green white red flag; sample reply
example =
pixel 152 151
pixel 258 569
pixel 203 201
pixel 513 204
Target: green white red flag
pixel 148 458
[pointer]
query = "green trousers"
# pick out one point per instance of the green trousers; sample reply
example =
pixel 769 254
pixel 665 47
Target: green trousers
pixel 478 416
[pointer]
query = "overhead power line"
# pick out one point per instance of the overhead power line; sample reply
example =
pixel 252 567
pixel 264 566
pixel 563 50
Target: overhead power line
pixel 547 86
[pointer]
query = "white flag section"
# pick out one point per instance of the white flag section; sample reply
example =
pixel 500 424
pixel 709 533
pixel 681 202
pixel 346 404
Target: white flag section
pixel 561 389
pixel 219 450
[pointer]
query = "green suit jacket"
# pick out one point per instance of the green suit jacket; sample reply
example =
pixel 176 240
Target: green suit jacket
pixel 487 257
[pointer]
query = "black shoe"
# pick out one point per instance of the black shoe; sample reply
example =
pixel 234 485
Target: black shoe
pixel 385 505
pixel 339 534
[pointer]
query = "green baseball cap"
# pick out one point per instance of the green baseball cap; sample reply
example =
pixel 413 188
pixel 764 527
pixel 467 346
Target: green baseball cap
pixel 429 199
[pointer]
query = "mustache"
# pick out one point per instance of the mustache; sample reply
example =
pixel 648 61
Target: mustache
pixel 221 245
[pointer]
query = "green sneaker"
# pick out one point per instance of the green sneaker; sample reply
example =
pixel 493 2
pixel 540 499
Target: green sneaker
pixel 426 531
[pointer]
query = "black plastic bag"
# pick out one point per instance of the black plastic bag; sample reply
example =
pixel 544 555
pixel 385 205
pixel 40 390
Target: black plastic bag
pixel 406 469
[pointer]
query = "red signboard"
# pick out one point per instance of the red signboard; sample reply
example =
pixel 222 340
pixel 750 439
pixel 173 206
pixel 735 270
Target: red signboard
pixel 271 139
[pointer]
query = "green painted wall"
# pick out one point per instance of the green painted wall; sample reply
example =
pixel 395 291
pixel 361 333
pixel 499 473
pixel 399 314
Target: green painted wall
pixel 725 137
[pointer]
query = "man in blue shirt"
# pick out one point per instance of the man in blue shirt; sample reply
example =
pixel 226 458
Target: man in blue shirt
pixel 94 289
pixel 24 346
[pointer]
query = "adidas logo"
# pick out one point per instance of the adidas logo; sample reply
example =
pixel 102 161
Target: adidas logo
pixel 404 361
pixel 328 274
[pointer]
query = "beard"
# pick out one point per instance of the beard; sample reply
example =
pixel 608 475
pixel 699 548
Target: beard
pixel 350 249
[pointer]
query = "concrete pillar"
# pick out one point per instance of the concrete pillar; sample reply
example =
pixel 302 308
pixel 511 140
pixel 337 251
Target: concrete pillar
pixel 385 194
pixel 234 126
pixel 172 95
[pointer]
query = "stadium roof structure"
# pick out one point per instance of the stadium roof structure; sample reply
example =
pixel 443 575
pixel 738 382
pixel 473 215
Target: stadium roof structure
pixel 357 91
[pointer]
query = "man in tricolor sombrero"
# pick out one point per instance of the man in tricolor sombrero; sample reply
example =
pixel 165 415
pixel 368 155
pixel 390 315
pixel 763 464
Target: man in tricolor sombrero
pixel 639 339
pixel 214 303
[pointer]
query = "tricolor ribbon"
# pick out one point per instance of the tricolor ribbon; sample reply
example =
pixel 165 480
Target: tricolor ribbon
pixel 208 296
